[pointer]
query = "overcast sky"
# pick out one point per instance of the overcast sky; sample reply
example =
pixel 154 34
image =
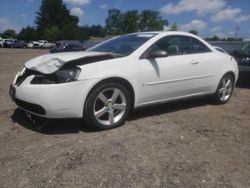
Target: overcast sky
pixel 208 17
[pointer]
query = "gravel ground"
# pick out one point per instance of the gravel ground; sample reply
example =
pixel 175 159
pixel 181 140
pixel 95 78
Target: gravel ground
pixel 183 144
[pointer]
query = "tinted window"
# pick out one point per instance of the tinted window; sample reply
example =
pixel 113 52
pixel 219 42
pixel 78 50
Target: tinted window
pixel 198 46
pixel 125 44
pixel 180 45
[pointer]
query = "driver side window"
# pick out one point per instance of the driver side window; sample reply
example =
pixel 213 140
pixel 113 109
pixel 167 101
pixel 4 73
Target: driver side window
pixel 180 45
pixel 173 45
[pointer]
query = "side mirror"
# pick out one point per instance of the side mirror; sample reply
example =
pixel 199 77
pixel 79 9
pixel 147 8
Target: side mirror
pixel 157 54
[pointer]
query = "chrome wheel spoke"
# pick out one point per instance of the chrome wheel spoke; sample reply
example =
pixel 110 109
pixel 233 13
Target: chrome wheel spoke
pixel 101 112
pixel 221 91
pixel 228 83
pixel 223 83
pixel 223 95
pixel 103 98
pixel 119 106
pixel 115 95
pixel 111 117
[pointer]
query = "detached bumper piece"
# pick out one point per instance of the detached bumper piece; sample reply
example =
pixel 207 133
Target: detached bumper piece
pixel 35 108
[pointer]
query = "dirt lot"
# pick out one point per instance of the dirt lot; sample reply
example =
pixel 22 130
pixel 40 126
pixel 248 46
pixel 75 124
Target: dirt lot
pixel 186 144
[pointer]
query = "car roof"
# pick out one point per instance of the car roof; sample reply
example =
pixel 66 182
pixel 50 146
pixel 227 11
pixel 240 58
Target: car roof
pixel 162 33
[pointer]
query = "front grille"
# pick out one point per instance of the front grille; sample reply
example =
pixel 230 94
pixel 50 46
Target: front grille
pixel 38 109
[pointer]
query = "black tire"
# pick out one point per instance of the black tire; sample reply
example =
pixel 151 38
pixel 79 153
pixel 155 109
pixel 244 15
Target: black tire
pixel 112 116
pixel 223 92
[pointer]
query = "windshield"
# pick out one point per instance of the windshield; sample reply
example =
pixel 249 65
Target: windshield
pixel 123 45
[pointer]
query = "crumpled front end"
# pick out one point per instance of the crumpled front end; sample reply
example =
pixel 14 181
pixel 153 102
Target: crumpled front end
pixel 48 86
pixel 50 63
pixel 65 100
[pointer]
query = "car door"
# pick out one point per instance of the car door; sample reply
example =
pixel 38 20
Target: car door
pixel 174 76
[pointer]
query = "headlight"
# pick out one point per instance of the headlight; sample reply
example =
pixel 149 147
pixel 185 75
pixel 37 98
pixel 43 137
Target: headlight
pixel 22 71
pixel 63 75
pixel 19 76
pixel 67 74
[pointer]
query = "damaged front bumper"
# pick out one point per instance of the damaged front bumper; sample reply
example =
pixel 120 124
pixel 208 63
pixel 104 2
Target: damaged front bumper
pixel 65 100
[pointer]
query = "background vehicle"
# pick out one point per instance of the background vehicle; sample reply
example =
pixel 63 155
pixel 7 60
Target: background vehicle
pixel 229 46
pixel 30 44
pixel 242 56
pixel 67 46
pixel 19 44
pixel 105 82
pixel 1 43
pixel 43 44
pixel 8 43
pixel 89 44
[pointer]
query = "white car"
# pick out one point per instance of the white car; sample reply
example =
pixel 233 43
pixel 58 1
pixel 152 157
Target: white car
pixel 30 44
pixel 42 44
pixel 1 43
pixel 104 83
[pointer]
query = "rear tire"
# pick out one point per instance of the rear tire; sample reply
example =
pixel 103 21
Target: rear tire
pixel 224 90
pixel 107 106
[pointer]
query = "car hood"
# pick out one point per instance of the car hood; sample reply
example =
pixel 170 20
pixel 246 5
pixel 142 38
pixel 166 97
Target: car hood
pixel 49 63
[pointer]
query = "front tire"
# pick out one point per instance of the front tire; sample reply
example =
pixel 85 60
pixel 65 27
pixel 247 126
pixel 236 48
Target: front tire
pixel 107 106
pixel 225 89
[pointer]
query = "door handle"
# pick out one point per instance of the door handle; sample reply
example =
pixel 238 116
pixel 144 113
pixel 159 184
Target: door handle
pixel 194 62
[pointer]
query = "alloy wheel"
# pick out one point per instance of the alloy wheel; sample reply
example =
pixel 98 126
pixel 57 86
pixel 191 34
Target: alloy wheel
pixel 225 89
pixel 110 106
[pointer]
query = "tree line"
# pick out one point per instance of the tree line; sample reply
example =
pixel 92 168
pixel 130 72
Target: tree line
pixel 54 22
